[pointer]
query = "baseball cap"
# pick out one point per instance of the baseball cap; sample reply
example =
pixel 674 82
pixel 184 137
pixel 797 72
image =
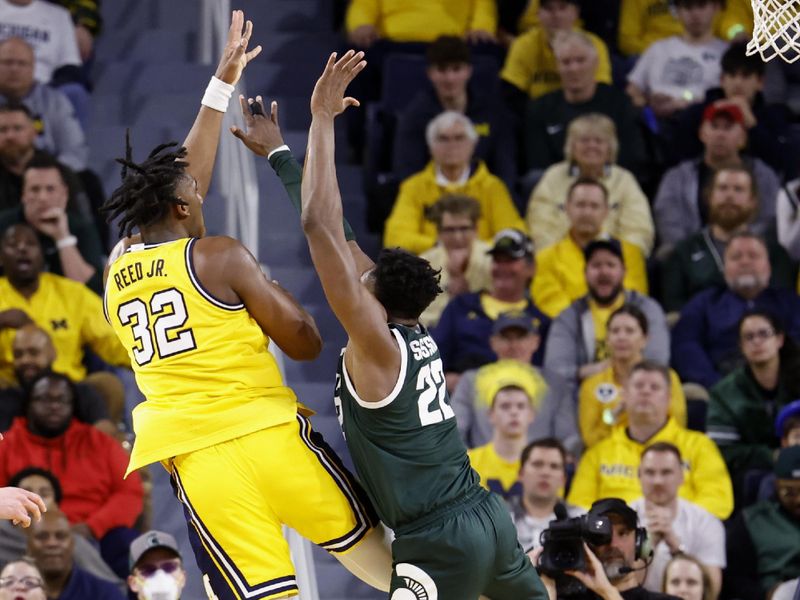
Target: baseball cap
pixel 610 244
pixel 730 111
pixel 788 464
pixel 148 541
pixel 515 320
pixel 511 242
pixel 616 506
pixel 790 410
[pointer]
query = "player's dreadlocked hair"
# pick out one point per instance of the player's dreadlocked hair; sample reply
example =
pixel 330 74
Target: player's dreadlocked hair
pixel 405 284
pixel 148 189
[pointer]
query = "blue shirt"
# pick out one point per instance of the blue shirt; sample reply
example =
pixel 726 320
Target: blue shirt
pixel 83 585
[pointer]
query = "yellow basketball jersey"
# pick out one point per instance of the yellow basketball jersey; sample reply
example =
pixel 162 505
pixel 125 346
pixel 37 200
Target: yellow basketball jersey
pixel 202 364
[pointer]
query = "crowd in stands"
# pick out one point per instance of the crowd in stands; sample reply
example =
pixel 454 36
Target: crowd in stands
pixel 610 190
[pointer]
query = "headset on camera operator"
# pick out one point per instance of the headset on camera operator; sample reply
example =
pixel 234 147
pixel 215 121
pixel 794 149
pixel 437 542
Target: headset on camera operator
pixel 614 548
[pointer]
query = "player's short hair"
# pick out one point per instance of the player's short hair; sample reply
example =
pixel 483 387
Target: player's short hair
pixel 147 192
pixel 651 366
pixel 405 284
pixel 664 447
pixel 454 204
pixel 17 478
pixel 736 62
pixel 447 50
pixel 552 443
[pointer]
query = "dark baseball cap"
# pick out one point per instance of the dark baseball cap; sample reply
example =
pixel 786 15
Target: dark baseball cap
pixel 788 464
pixel 609 244
pixel 729 111
pixel 515 321
pixel 511 242
pixel 148 541
pixel 616 506
pixel 790 410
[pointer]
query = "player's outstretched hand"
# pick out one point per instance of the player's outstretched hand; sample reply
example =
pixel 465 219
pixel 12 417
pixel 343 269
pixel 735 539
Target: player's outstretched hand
pixel 262 134
pixel 20 505
pixel 328 97
pixel 235 55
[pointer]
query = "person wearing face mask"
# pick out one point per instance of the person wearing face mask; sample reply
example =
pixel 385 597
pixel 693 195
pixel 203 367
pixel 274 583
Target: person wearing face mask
pixel 686 578
pixel 156 567
pixel 21 580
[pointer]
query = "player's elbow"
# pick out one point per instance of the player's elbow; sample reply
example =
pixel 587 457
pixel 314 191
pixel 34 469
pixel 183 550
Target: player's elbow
pixel 308 343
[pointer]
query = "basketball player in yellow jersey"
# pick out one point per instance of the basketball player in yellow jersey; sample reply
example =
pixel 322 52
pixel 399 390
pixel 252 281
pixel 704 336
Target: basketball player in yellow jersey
pixel 196 315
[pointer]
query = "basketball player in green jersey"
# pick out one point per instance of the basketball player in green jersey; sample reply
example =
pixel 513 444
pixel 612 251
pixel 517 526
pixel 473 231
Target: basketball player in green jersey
pixel 454 540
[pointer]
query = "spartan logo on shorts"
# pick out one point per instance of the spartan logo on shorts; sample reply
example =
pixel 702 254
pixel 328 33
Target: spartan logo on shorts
pixel 419 585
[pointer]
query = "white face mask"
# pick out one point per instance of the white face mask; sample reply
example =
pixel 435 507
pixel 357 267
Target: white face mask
pixel 160 586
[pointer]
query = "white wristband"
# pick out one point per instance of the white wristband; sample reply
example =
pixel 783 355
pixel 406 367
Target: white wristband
pixel 218 95
pixel 278 149
pixel 67 242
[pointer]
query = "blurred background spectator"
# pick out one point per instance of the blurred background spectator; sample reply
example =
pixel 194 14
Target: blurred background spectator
pixel 601 401
pixel 576 348
pixel 451 139
pixel 515 339
pixel 744 404
pixel 462 259
pixel 560 268
pixel 590 151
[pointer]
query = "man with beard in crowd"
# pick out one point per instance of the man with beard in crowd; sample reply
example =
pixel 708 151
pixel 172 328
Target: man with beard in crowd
pixel 696 262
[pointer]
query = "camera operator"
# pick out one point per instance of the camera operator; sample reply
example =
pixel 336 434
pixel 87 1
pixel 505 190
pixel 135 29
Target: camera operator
pixel 612 568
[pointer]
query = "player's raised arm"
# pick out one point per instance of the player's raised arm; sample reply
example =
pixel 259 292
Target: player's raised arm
pixel 359 312
pixel 203 138
pixel 262 136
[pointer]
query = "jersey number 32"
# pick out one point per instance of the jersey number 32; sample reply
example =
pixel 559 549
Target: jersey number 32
pixel 156 325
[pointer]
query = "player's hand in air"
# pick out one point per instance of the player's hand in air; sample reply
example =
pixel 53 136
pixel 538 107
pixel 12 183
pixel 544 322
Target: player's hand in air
pixel 19 506
pixel 328 97
pixel 235 55
pixel 263 134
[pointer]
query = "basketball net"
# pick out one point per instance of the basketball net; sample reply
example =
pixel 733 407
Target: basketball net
pixel 776 31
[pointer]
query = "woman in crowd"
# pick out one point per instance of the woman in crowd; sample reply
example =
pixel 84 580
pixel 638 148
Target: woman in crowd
pixel 686 578
pixel 601 403
pixel 21 580
pixel 591 151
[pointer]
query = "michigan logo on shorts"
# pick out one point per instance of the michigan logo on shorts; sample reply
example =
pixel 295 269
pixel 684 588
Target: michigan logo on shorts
pixel 419 585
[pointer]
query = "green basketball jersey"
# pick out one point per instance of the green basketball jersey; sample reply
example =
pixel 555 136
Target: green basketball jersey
pixel 406 448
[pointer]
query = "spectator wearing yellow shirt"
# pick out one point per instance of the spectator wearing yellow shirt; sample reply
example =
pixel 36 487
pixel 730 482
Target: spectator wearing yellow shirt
pixel 560 278
pixel 530 67
pixel 451 139
pixel 610 467
pixel 419 20
pixel 462 259
pixel 590 150
pixel 497 463
pixel 642 22
pixel 601 402
pixel 68 311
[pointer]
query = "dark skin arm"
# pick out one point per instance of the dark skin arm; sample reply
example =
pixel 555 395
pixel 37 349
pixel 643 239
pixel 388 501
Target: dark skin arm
pixel 262 135
pixel 231 274
pixel 202 140
pixel 373 357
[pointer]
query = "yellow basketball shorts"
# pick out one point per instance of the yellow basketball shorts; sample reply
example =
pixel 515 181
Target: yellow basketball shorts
pixel 237 494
